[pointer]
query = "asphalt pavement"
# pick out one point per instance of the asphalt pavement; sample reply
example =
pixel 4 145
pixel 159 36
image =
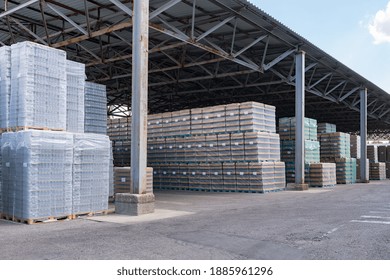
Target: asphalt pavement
pixel 345 222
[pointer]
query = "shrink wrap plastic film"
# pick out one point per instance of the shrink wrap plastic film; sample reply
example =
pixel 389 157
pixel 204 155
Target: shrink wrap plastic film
pixel 54 174
pixel 5 85
pixel 95 103
pixel 91 172
pixel 75 96
pixel 37 174
pixel 38 86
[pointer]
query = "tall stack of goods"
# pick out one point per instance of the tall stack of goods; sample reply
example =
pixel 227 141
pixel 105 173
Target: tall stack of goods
pixel 336 148
pixel 287 127
pixel 326 128
pixel 95 108
pixel 356 153
pixel 377 157
pixel 221 148
pixel 50 168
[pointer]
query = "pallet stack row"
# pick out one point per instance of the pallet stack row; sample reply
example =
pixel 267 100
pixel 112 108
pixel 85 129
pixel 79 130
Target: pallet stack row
pixel 378 156
pixel 226 136
pixel 355 146
pixel 48 172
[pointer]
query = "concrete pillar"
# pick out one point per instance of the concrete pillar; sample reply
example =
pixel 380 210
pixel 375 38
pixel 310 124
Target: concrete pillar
pixel 363 135
pixel 138 202
pixel 139 102
pixel 300 121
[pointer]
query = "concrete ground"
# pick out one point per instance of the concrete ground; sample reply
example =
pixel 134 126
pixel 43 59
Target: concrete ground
pixel 346 222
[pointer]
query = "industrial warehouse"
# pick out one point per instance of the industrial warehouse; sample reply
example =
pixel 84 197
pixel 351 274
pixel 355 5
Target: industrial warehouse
pixel 177 129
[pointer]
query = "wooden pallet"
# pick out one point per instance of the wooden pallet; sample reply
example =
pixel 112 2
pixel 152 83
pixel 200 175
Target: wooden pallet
pixel 34 220
pixel 20 128
pixel 90 214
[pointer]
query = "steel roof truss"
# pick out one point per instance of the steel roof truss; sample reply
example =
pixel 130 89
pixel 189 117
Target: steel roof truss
pixel 65 17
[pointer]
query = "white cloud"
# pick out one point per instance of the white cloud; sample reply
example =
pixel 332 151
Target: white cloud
pixel 380 26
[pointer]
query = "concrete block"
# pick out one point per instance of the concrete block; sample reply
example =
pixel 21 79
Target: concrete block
pixel 134 204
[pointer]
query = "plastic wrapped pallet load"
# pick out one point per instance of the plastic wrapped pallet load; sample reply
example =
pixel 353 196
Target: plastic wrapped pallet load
pixel 322 175
pixel 122 180
pixel 5 85
pixel 326 128
pixel 90 173
pixel 38 87
pixel 346 170
pixel 287 128
pixel 377 171
pixel 75 81
pixel 335 146
pixel 312 151
pixel 95 103
pixel 372 153
pixel 355 146
pixel 37 174
pixel 382 153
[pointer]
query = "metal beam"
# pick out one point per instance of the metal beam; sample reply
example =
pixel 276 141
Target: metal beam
pixel 363 135
pixel 352 91
pixel 28 31
pixel 278 59
pixel 320 80
pixel 17 8
pixel 212 29
pixel 65 17
pixel 250 45
pixel 300 119
pixel 93 34
pixel 139 103
pixel 163 8
pixel 122 7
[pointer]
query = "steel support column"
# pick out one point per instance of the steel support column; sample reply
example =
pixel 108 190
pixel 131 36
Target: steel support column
pixel 139 104
pixel 363 135
pixel 300 119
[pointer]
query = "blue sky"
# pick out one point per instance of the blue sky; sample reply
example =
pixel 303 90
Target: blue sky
pixel 355 32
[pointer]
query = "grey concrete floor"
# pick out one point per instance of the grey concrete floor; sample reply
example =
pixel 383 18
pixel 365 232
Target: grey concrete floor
pixel 345 222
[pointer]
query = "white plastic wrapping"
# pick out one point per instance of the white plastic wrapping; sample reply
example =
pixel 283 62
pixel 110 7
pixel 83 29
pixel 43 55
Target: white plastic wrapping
pixel 5 85
pixel 91 178
pixel 37 174
pixel 38 86
pixel 75 82
pixel 95 103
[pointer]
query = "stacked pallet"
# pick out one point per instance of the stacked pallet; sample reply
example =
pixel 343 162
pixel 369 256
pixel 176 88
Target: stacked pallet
pixel 377 171
pixel 287 128
pixel 388 170
pixel 95 108
pixel 382 152
pixel 335 145
pixel 5 85
pixel 372 153
pixel 358 172
pixel 336 148
pixel 48 172
pixel 122 180
pixel 355 146
pixel 204 138
pixel 326 128
pixel 322 175
pixel 223 176
pixel 346 170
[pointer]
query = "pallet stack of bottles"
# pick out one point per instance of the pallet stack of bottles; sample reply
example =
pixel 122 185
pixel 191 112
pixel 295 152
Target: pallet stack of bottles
pixel 336 148
pixel 287 128
pixel 230 147
pixel 50 168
